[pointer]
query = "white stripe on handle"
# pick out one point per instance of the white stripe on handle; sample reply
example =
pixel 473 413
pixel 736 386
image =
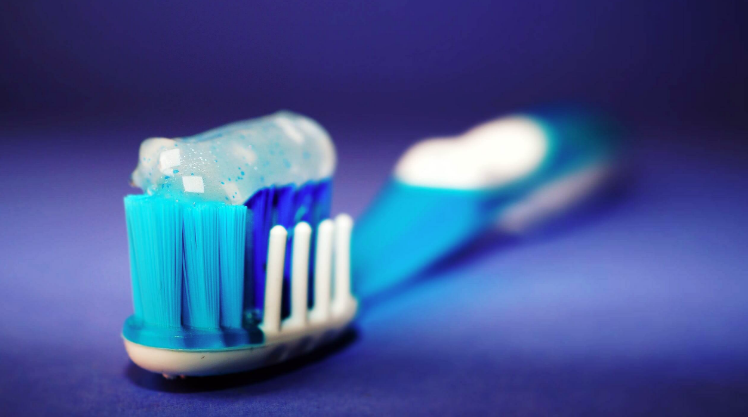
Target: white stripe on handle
pixel 342 289
pixel 274 280
pixel 300 273
pixel 322 271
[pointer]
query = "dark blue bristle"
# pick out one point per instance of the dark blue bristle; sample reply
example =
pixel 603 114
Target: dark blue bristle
pixel 285 206
pixel 261 209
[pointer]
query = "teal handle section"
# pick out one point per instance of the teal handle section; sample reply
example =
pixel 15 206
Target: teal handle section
pixel 408 227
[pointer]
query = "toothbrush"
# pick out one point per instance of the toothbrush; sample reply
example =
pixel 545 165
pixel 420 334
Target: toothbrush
pixel 234 271
pixel 512 174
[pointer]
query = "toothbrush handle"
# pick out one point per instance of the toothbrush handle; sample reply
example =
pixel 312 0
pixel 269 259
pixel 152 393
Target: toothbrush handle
pixel 410 227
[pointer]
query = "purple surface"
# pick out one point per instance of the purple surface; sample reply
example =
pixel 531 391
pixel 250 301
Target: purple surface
pixel 640 309
pixel 668 58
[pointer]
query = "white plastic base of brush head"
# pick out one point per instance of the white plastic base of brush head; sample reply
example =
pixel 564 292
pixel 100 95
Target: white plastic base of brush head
pixel 291 342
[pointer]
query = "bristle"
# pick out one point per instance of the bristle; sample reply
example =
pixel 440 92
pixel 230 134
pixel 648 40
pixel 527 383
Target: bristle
pixel 131 236
pixel 155 231
pixel 274 282
pixel 261 208
pixel 249 263
pixel 300 273
pixel 323 271
pixel 204 265
pixel 285 206
pixel 187 262
pixel 342 283
pixel 201 261
pixel 285 210
pixel 233 228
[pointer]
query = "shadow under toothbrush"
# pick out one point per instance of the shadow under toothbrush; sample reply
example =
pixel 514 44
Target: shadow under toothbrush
pixel 156 382
pixel 492 241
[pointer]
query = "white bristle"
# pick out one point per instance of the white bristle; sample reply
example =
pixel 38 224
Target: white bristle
pixel 299 274
pixel 342 288
pixel 322 271
pixel 274 280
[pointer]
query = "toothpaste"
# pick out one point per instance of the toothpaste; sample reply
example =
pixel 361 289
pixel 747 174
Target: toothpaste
pixel 231 163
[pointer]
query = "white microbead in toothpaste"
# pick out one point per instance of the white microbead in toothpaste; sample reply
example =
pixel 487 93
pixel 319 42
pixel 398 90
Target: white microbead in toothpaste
pixel 486 156
pixel 232 162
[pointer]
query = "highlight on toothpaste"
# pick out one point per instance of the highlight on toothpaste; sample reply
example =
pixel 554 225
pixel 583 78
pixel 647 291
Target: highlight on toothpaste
pixel 232 162
pixel 235 262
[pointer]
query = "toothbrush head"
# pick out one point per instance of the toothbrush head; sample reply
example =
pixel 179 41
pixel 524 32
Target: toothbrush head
pixel 192 321
pixel 235 263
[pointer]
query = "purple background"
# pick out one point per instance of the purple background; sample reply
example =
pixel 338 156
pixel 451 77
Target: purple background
pixel 641 308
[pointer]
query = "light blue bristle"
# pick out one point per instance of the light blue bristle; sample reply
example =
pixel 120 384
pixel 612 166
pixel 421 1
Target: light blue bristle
pixel 249 275
pixel 232 222
pixel 155 231
pixel 201 261
pixel 187 262
pixel 136 299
